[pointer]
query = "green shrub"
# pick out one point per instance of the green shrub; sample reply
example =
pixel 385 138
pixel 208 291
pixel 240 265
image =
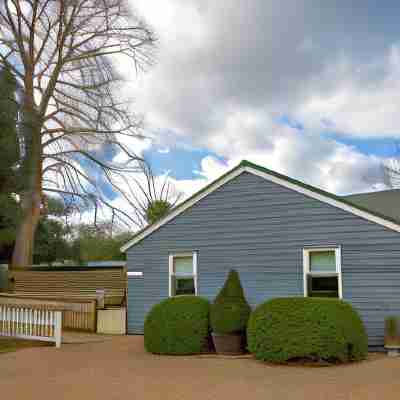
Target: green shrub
pixel 311 328
pixel 178 325
pixel 230 311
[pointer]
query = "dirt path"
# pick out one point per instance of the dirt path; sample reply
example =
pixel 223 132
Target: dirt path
pixel 120 369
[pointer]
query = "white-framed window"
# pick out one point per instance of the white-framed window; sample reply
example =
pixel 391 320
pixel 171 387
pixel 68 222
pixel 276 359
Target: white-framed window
pixel 183 274
pixel 322 272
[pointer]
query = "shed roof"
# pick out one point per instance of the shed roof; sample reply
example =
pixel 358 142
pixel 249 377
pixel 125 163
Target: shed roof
pixel 385 202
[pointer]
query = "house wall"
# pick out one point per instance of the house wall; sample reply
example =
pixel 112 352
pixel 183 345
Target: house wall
pixel 260 228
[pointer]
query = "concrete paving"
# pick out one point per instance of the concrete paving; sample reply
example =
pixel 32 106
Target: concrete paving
pixel 119 368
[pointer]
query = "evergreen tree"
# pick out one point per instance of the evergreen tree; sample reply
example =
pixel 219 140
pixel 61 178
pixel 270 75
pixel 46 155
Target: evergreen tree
pixel 156 210
pixel 51 239
pixel 97 243
pixel 9 180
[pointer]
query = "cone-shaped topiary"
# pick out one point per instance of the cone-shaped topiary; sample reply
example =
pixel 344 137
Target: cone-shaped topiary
pixel 230 311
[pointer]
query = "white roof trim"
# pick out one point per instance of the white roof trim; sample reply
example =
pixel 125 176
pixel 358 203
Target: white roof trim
pixel 325 199
pixel 182 208
pixel 272 178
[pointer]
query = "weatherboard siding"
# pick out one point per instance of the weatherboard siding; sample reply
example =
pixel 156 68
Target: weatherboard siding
pixel 260 228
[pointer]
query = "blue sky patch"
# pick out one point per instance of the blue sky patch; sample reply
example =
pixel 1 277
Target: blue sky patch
pixel 292 123
pixel 180 161
pixel 381 147
pixel 106 155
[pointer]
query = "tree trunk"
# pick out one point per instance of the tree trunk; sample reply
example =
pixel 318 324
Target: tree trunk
pixel 31 193
pixel 23 248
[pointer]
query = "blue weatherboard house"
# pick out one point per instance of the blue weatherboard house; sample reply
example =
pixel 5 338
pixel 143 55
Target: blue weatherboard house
pixel 285 238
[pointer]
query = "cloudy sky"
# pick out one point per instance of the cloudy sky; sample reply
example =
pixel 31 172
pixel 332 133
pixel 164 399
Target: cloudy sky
pixel 308 88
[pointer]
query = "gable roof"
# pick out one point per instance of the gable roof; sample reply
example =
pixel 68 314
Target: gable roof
pixel 385 202
pixel 280 179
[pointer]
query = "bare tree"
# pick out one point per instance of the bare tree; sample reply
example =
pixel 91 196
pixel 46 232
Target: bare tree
pixel 391 173
pixel 61 52
pixel 150 197
pixel 391 169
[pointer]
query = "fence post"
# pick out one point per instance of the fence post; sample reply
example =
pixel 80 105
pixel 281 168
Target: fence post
pixel 57 327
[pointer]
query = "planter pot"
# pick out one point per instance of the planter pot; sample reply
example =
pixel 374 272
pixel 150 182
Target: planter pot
pixel 229 344
pixel 392 345
pixel 392 341
pixel 392 351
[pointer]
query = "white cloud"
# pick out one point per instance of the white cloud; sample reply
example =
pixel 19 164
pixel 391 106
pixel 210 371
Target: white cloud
pixel 345 172
pixel 314 62
pixel 227 72
pixel 360 105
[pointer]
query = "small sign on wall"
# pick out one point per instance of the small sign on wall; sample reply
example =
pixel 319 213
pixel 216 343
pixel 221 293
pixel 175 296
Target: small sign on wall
pixel 135 274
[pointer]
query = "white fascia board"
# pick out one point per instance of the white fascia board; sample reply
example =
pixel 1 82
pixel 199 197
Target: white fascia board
pixel 326 199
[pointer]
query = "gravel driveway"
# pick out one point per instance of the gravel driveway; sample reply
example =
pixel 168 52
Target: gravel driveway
pixel 118 368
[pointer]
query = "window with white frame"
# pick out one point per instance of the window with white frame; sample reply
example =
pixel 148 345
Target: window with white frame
pixel 183 274
pixel 322 272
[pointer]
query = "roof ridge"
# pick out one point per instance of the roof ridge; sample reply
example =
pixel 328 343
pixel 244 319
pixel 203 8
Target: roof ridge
pixel 319 190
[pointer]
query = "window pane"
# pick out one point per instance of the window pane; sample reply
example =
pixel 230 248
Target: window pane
pixel 323 286
pixel 184 286
pixel 322 261
pixel 183 265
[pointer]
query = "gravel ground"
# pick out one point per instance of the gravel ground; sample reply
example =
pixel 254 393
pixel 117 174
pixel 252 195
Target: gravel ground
pixel 11 344
pixel 120 369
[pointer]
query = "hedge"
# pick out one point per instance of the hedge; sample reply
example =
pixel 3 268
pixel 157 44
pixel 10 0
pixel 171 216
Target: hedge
pixel 306 328
pixel 178 325
pixel 230 311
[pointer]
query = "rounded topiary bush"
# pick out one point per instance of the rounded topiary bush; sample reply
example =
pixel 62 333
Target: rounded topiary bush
pixel 230 311
pixel 306 328
pixel 178 325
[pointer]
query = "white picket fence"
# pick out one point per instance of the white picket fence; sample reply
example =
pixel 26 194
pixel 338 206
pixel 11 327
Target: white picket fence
pixel 30 323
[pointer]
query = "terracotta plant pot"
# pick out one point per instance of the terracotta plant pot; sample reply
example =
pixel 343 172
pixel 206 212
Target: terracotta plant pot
pixel 392 341
pixel 229 344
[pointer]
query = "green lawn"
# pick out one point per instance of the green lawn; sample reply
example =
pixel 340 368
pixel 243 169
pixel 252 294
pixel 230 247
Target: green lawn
pixel 9 344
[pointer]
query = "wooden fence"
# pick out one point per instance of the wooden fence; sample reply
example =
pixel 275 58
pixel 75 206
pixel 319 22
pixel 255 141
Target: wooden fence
pixel 80 316
pixel 71 283
pixel 26 322
pixel 76 314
